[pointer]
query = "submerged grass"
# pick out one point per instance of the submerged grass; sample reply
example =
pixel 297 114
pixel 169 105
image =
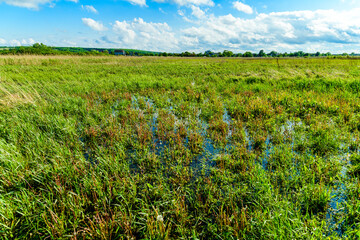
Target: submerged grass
pixel 174 148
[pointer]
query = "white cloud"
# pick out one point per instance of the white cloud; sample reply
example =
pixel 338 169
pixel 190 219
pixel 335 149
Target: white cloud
pixel 89 8
pixel 125 31
pixel 32 4
pixel 321 30
pixel 97 26
pixel 242 7
pixel 143 35
pixel 278 30
pixel 183 15
pixel 197 12
pixel 194 2
pixel 15 43
pixel 27 42
pixel 138 2
pixel 188 2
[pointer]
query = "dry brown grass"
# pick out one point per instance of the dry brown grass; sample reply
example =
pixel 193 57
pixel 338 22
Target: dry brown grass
pixel 17 96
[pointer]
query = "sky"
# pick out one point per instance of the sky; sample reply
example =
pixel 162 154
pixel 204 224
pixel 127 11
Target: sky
pixel 185 25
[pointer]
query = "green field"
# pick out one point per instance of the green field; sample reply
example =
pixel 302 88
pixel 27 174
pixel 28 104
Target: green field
pixel 177 148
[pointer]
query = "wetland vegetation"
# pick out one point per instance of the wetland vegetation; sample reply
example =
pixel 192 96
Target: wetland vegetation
pixel 179 148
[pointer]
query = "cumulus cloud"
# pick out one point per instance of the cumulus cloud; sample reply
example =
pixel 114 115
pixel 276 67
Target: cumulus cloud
pixel 125 31
pixel 280 30
pixel 27 42
pixel 197 12
pixel 242 7
pixel 15 43
pixel 97 26
pixel 143 35
pixel 89 8
pixel 323 30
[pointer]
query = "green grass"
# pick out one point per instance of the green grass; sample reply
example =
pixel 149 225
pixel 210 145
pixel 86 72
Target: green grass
pixel 176 148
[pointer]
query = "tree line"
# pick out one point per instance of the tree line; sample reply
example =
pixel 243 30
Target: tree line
pixel 41 49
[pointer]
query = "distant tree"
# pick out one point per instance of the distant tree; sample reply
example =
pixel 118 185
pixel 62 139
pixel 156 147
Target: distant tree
pixel 317 54
pixel 21 50
pixel 208 53
pixel 299 54
pixel 186 54
pixel 227 53
pixel 248 54
pixel 273 54
pixel 36 45
pixel 262 53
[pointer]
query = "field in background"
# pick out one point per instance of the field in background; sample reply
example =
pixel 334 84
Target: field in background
pixel 175 148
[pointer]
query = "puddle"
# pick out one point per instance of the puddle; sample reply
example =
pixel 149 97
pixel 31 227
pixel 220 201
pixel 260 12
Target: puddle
pixel 228 121
pixel 268 150
pixel 205 160
pixel 338 198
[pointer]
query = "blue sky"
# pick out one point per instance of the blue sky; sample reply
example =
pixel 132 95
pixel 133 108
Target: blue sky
pixel 184 25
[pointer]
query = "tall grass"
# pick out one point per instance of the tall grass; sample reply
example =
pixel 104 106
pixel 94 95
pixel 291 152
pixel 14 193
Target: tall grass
pixel 175 148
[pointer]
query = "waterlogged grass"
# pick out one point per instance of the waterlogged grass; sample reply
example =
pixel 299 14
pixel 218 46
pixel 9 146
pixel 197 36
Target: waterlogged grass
pixel 167 148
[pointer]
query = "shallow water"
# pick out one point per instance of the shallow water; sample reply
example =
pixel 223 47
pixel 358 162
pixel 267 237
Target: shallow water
pixel 338 199
pixel 203 162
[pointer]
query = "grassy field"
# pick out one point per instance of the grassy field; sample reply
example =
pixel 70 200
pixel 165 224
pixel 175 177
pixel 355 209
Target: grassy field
pixel 175 148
